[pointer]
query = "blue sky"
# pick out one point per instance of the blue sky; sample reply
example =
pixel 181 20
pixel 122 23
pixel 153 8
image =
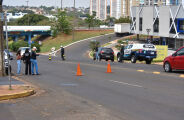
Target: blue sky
pixel 79 3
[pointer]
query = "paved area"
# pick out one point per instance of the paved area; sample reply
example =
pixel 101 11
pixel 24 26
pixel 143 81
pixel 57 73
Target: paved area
pixel 131 92
pixel 5 81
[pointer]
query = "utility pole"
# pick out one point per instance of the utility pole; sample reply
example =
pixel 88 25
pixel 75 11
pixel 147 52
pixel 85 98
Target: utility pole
pixel 1 40
pixel 61 4
pixel 27 11
pixel 73 32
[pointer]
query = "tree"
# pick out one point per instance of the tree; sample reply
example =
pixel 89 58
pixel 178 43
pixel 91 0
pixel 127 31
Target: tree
pixel 61 24
pixel 123 20
pixel 90 20
pixel 1 43
pixel 32 19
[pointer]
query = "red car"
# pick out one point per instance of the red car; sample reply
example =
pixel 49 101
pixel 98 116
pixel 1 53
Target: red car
pixel 175 61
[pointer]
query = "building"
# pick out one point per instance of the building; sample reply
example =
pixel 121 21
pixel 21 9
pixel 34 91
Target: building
pixel 166 21
pixel 100 7
pixel 121 8
pixel 116 8
pixel 94 6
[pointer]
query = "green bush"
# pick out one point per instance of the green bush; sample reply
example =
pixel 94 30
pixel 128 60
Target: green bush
pixel 93 45
pixel 16 45
pixel 36 44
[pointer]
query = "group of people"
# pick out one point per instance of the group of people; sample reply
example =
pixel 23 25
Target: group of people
pixel 30 61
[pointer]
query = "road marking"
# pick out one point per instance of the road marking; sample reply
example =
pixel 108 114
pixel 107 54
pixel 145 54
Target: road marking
pixel 156 73
pixel 140 70
pixel 124 83
pixel 182 76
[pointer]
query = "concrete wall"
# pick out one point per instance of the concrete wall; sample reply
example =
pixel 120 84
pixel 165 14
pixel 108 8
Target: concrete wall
pixel 147 20
pixel 164 21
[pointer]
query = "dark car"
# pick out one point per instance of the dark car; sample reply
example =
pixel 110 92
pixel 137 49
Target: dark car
pixel 105 53
pixel 175 61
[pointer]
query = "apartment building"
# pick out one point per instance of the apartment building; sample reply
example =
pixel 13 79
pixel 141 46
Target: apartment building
pixel 100 7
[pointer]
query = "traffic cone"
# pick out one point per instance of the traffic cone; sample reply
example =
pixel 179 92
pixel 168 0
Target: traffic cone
pixel 79 73
pixel 50 58
pixel 109 68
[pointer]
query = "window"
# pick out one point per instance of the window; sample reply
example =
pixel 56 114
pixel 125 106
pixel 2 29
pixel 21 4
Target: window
pixel 180 25
pixel 180 52
pixel 156 25
pixel 140 24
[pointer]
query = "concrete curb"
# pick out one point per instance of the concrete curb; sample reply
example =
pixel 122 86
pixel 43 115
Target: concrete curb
pixel 17 95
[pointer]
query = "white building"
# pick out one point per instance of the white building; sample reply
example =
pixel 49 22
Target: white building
pixel 16 16
pixel 100 7
pixel 116 7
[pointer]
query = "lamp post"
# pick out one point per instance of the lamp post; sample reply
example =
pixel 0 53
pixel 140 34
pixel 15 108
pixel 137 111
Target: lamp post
pixel 73 31
pixel 148 31
pixel 9 72
pixel 27 11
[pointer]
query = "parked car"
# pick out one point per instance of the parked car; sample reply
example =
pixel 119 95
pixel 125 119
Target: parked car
pixel 105 53
pixel 136 52
pixel 23 49
pixel 174 61
pixel 10 55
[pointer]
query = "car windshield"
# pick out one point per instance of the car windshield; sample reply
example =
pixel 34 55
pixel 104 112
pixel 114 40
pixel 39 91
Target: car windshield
pixel 148 46
pixel 108 50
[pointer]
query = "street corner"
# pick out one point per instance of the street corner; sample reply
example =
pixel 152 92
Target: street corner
pixel 16 91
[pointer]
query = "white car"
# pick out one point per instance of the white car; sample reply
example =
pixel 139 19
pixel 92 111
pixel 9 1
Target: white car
pixel 23 49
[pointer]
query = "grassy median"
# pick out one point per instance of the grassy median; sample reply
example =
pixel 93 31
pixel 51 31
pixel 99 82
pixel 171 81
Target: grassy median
pixel 63 39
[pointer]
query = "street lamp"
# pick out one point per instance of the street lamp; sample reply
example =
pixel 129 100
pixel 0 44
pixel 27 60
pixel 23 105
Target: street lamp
pixel 148 31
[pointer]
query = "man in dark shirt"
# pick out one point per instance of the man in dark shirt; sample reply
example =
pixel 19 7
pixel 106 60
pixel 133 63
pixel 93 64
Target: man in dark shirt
pixel 62 53
pixel 34 61
pixel 26 59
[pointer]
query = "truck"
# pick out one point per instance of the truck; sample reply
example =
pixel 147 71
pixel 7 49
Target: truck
pixel 122 29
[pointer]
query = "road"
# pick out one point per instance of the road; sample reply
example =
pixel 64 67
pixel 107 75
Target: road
pixel 131 92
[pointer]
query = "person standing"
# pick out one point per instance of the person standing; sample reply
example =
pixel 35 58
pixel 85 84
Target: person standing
pixel 34 61
pixel 18 62
pixel 26 59
pixel 62 53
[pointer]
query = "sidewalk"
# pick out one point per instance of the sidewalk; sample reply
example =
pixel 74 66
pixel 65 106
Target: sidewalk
pixel 19 89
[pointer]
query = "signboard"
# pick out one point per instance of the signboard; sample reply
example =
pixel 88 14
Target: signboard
pixel 162 52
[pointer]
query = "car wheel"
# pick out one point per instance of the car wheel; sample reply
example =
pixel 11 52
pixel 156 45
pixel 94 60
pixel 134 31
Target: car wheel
pixel 148 61
pixel 133 59
pixel 167 67
pixel 119 58
pixel 112 60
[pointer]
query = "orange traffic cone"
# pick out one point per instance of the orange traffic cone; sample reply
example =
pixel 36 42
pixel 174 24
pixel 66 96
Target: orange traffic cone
pixel 109 68
pixel 79 73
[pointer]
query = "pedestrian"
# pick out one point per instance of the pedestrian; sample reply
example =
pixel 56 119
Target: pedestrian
pixel 26 59
pixel 97 55
pixel 34 61
pixel 62 53
pixel 18 58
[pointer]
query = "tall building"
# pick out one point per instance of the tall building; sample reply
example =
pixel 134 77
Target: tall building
pixel 94 6
pixel 102 10
pixel 115 8
pixel 121 8
pixel 100 7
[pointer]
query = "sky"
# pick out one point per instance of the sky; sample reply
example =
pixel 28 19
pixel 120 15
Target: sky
pixel 66 3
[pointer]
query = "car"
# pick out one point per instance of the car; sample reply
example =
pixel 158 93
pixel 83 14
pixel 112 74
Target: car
pixel 134 52
pixel 105 53
pixel 174 61
pixel 9 53
pixel 23 49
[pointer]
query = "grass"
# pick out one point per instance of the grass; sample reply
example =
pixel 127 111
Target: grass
pixel 63 39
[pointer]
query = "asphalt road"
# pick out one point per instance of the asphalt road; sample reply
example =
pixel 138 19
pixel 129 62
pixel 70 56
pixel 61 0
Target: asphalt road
pixel 128 93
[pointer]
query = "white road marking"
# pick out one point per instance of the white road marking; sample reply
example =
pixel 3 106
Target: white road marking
pixel 124 83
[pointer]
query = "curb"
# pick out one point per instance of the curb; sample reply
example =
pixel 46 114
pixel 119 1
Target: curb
pixel 17 95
